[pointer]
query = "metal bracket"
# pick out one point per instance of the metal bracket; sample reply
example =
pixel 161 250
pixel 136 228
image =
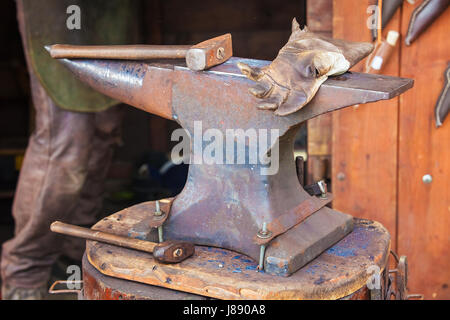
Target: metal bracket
pixel 401 280
pixel 292 218
pixel 79 292
pixel 317 189
pixel 155 219
pixel 160 214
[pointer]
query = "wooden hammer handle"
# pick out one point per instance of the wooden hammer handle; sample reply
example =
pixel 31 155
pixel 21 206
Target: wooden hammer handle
pixel 89 234
pixel 120 52
pixel 166 252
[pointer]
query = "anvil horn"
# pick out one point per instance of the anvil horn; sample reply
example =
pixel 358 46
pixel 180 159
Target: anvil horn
pixel 127 81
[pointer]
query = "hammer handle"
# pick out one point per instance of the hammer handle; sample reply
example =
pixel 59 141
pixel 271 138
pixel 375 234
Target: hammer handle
pixel 120 52
pixel 89 234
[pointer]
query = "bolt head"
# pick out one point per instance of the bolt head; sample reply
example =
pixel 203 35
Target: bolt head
pixel 220 53
pixel 427 179
pixel 264 234
pixel 178 253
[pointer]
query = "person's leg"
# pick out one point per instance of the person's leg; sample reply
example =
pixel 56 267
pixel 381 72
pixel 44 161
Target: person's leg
pixel 53 174
pixel 107 135
pixel 51 178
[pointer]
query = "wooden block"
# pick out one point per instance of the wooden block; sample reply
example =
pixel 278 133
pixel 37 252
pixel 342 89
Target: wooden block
pixel 336 273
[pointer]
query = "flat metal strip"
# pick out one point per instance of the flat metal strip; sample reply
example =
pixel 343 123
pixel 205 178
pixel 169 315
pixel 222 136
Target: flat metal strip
pixel 292 218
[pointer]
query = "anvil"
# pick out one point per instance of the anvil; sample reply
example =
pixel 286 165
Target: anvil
pixel 227 205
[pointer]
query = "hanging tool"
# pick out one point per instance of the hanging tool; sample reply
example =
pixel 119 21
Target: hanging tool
pixel 389 7
pixel 443 103
pixel 383 51
pixel 423 16
pixel 202 56
pixel 165 252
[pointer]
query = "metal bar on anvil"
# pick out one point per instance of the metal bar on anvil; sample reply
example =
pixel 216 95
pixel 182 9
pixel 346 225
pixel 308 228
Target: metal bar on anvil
pixel 149 86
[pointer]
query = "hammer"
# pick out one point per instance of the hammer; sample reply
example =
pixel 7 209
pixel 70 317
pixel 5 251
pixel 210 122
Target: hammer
pixel 165 252
pixel 199 57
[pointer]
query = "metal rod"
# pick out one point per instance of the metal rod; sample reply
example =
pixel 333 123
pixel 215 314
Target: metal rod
pixel 120 52
pixel 262 251
pixel 158 213
pixel 261 257
pixel 160 234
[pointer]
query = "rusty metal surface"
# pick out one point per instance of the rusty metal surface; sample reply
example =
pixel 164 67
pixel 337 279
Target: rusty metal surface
pixel 199 57
pixel 139 84
pixel 295 248
pixel 148 86
pixel 157 219
pixel 286 221
pixel 120 52
pixel 210 53
pixel 225 205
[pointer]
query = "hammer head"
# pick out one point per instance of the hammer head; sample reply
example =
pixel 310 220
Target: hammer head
pixel 209 53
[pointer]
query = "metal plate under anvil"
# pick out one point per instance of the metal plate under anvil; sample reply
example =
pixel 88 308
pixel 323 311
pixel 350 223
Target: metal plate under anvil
pixel 286 253
pixel 292 250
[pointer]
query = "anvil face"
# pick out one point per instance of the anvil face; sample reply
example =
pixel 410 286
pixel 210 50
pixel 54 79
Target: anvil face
pixel 225 205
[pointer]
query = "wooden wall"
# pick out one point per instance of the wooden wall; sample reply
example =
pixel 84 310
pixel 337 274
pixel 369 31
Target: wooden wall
pixel 424 209
pixel 319 17
pixel 381 151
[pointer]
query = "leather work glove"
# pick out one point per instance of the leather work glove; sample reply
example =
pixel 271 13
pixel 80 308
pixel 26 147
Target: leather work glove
pixel 302 65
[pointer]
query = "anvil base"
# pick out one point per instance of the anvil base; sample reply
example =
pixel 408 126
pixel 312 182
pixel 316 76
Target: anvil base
pixel 292 250
pixel 112 272
pixel 288 252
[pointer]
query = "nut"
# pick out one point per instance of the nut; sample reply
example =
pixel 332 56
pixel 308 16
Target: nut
pixel 178 253
pixel 220 53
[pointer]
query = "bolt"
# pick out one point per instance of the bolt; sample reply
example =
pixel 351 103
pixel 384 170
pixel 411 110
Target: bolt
pixel 220 53
pixel 261 257
pixel 341 176
pixel 159 213
pixel 427 179
pixel 160 234
pixel 264 228
pixel 264 234
pixel 323 189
